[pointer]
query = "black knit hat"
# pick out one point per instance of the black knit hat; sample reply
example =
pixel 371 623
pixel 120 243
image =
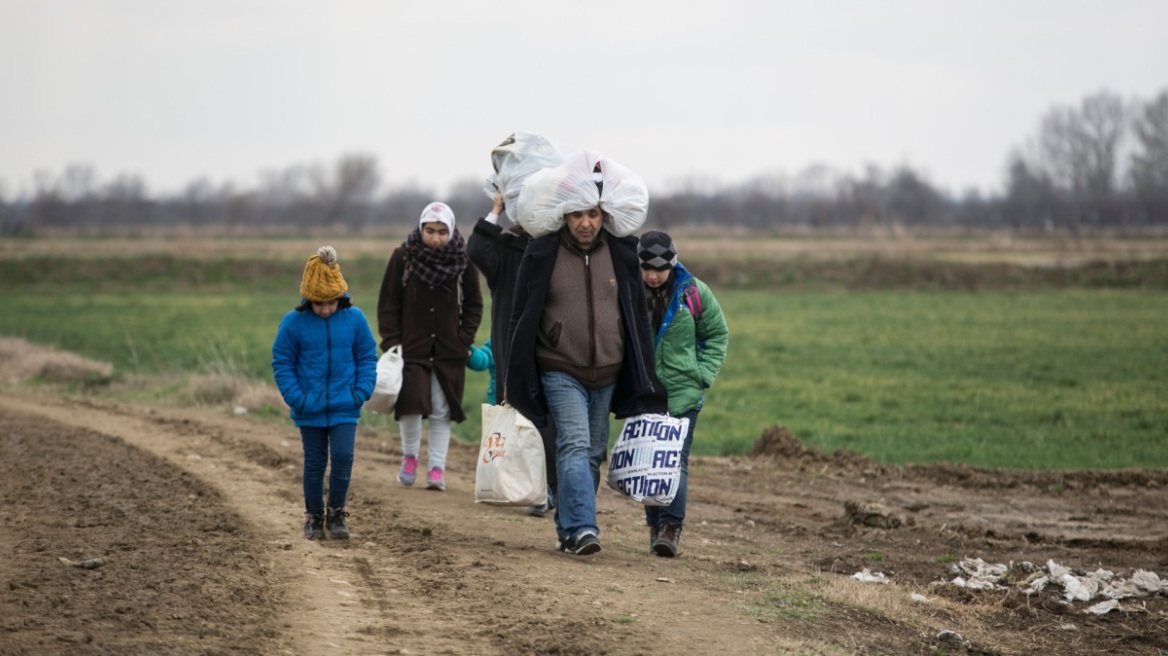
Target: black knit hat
pixel 656 250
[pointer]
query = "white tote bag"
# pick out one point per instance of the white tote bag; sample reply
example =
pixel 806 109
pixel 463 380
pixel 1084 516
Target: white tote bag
pixel 645 463
pixel 389 381
pixel 511 470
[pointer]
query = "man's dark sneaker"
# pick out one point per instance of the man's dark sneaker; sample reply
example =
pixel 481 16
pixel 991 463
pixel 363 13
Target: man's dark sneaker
pixel 652 537
pixel 584 544
pixel 313 527
pixel 334 521
pixel 667 541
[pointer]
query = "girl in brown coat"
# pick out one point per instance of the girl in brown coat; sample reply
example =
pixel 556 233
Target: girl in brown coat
pixel 431 305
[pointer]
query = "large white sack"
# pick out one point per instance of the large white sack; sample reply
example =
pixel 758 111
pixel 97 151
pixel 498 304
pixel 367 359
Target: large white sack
pixel 549 194
pixel 520 155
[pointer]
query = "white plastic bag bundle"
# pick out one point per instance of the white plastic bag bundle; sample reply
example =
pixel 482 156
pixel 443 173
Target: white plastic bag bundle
pixel 519 156
pixel 645 463
pixel 389 381
pixel 549 194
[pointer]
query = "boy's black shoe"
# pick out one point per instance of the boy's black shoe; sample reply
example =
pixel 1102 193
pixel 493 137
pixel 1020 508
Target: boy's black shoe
pixel 313 527
pixel 335 523
pixel 667 541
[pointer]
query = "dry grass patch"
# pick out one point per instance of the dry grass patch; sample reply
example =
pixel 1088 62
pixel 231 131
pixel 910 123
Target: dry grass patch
pixel 226 389
pixel 895 602
pixel 211 389
pixel 696 243
pixel 22 361
pixel 255 396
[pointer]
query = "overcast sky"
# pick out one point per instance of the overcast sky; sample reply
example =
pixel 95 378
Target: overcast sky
pixel 723 89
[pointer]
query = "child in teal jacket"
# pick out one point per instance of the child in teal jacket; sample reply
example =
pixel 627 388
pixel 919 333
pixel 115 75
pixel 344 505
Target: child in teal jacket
pixel 482 358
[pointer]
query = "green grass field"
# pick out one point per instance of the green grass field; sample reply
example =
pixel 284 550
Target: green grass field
pixel 1036 380
pixel 1066 379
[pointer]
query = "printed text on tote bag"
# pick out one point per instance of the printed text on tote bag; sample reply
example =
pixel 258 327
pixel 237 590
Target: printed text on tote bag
pixel 660 450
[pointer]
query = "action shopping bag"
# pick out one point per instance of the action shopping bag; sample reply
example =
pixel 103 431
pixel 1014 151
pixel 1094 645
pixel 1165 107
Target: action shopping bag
pixel 645 463
pixel 389 381
pixel 511 469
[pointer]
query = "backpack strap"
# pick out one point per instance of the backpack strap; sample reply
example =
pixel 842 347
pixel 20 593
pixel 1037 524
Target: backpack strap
pixel 693 300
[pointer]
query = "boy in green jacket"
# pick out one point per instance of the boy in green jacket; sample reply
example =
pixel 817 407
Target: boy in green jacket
pixel 689 349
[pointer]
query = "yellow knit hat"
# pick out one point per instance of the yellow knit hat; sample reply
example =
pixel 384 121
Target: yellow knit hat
pixel 322 277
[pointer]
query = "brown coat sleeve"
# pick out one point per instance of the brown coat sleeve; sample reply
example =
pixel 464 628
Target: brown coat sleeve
pixel 389 301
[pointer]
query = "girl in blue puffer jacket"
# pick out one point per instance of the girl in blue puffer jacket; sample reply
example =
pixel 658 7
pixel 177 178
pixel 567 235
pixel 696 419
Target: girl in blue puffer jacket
pixel 325 363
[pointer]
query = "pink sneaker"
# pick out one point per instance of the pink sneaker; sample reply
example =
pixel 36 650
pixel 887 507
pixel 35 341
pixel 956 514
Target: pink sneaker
pixel 435 481
pixel 409 471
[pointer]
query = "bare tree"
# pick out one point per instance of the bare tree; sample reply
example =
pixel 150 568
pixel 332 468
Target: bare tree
pixel 910 199
pixel 125 202
pixel 354 180
pixel 1149 162
pixel 1031 200
pixel 1080 146
pixel 197 205
pixel 402 206
pixel 14 221
pixel 467 200
pixel 692 202
pixel 78 183
pixel 357 177
pixel 863 198
pixel 48 208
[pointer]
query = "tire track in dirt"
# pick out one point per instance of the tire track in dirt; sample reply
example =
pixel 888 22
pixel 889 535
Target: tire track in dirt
pixel 425 572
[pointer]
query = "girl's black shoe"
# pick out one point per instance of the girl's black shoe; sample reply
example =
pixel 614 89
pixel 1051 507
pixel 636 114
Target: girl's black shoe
pixel 335 522
pixel 313 527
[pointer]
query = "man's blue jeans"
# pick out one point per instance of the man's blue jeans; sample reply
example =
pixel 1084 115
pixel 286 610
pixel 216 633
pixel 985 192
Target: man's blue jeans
pixel 320 444
pixel 674 513
pixel 581 417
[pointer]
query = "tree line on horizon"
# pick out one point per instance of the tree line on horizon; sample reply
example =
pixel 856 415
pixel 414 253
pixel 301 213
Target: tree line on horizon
pixel 1098 165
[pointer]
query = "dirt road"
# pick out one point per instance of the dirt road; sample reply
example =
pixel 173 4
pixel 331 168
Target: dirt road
pixel 195 517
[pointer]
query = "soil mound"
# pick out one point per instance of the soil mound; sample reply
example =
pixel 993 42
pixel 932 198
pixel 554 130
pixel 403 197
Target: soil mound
pixel 777 442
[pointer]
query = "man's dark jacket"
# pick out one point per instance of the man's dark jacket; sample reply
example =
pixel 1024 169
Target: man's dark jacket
pixel 497 253
pixel 637 388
